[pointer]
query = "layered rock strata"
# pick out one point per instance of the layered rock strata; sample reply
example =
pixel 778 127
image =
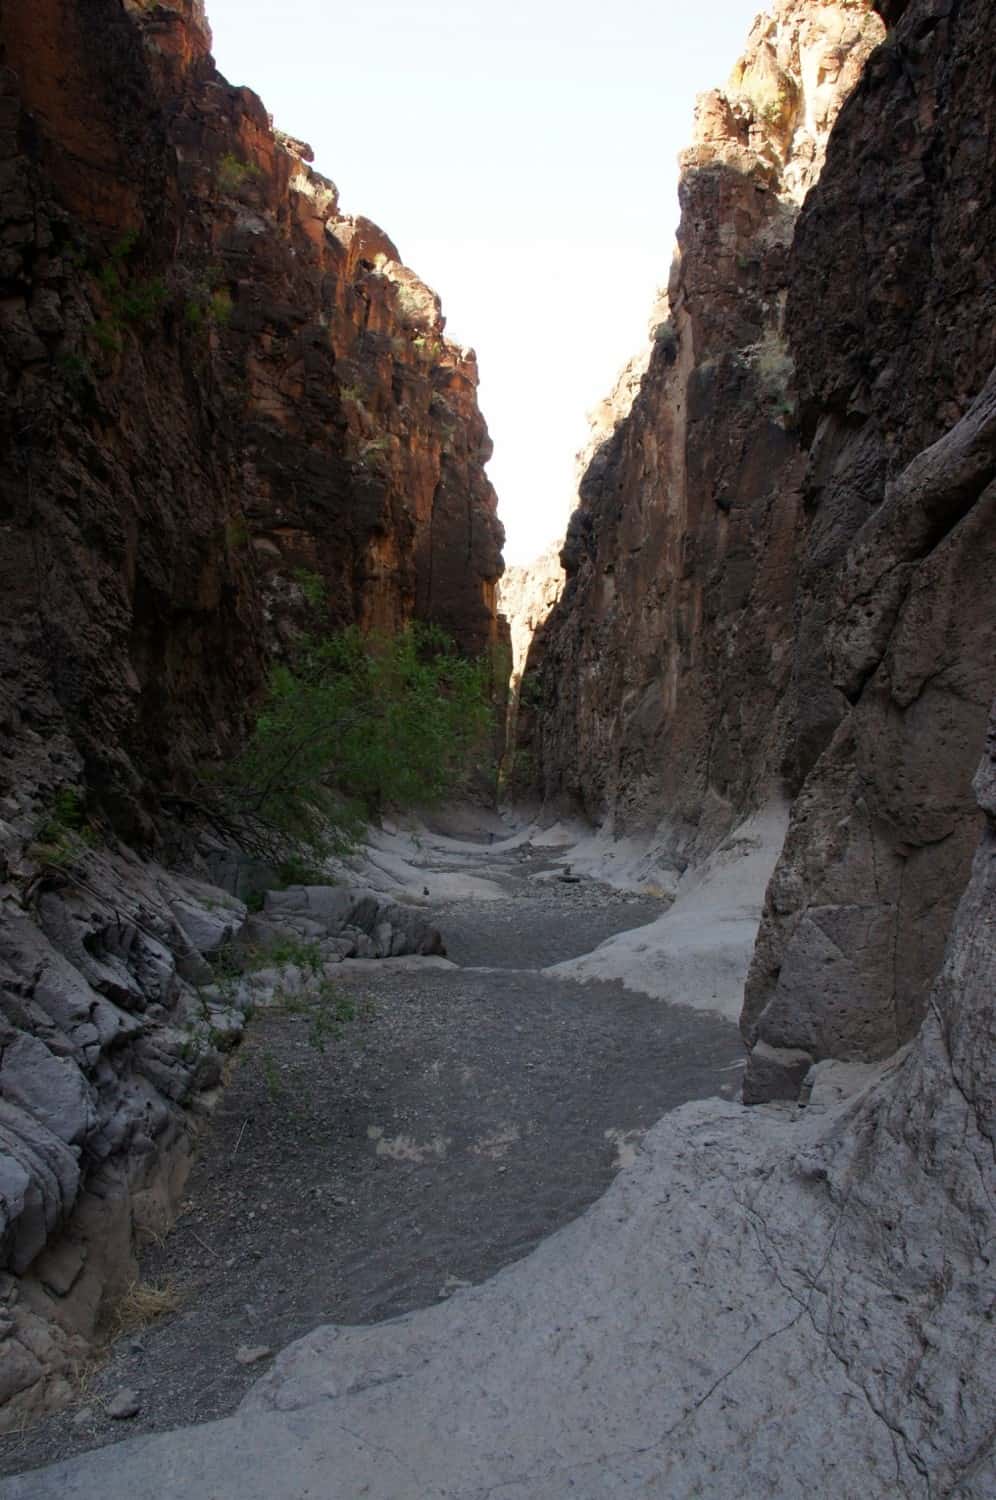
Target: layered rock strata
pixel 776 578
pixel 229 415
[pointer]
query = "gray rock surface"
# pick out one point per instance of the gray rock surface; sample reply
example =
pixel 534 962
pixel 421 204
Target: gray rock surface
pixel 872 866
pixel 359 923
pixel 105 1045
pixel 113 1026
pixel 768 1302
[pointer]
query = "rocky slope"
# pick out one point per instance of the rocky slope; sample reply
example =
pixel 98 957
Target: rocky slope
pixel 775 583
pixel 230 414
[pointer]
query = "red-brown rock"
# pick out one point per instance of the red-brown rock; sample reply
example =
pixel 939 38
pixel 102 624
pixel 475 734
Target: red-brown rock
pixel 215 384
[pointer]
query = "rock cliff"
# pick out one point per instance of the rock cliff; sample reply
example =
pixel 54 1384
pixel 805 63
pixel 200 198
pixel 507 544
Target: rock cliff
pixel 230 414
pixel 219 392
pixel 679 557
pixel 776 576
pixel 894 657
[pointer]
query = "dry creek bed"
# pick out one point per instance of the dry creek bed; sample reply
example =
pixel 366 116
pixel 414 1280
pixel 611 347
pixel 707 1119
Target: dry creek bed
pixel 458 1118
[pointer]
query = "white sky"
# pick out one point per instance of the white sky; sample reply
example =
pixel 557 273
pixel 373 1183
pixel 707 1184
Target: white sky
pixel 521 155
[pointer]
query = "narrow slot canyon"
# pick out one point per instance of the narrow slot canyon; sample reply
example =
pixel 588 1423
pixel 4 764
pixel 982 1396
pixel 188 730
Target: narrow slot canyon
pixel 474 1028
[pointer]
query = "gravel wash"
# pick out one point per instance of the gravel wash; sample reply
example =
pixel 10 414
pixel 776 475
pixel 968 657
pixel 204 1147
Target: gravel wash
pixel 436 1129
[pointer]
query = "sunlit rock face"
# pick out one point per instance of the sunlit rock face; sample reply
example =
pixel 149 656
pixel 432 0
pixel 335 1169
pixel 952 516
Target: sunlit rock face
pixel 224 400
pixel 776 579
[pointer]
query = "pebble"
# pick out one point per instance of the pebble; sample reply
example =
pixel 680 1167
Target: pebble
pixel 125 1404
pixel 83 1416
pixel 251 1355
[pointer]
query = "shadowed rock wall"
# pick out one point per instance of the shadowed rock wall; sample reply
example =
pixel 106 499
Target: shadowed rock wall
pixel 680 557
pixel 891 314
pixel 218 389
pixel 777 576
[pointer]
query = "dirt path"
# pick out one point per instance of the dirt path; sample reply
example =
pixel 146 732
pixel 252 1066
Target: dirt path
pixel 458 1117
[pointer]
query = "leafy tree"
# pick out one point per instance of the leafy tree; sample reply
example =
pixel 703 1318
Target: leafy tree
pixel 353 725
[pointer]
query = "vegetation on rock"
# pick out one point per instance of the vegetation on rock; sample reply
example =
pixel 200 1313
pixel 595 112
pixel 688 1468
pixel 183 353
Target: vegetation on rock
pixel 352 725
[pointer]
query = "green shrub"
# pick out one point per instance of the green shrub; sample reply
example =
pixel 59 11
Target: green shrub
pixel 355 724
pixel 237 533
pixel 122 248
pixel 312 586
pixel 291 950
pixel 232 173
pixel 207 305
pixel 63 833
pixel 332 1011
pixel 141 302
pixel 128 302
pixel 107 335
pixel 299 872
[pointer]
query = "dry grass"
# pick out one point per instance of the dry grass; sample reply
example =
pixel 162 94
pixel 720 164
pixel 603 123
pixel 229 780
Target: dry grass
pixel 143 1303
pixel 83 1374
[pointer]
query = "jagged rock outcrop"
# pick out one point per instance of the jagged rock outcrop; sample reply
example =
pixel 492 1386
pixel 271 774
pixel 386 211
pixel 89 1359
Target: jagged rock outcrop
pixel 113 1029
pixel 229 414
pixel 777 576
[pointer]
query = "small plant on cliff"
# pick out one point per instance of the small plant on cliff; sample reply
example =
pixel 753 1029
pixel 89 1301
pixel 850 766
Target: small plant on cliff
pixel 137 303
pixel 63 834
pixel 666 338
pixel 233 174
pixel 429 348
pixel 775 370
pixel 237 533
pixel 353 725
pixel 207 307
pixel 312 586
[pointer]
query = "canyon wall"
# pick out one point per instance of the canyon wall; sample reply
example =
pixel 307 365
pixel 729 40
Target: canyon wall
pixel 679 558
pixel 891 309
pixel 230 412
pixel 230 415
pixel 776 578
